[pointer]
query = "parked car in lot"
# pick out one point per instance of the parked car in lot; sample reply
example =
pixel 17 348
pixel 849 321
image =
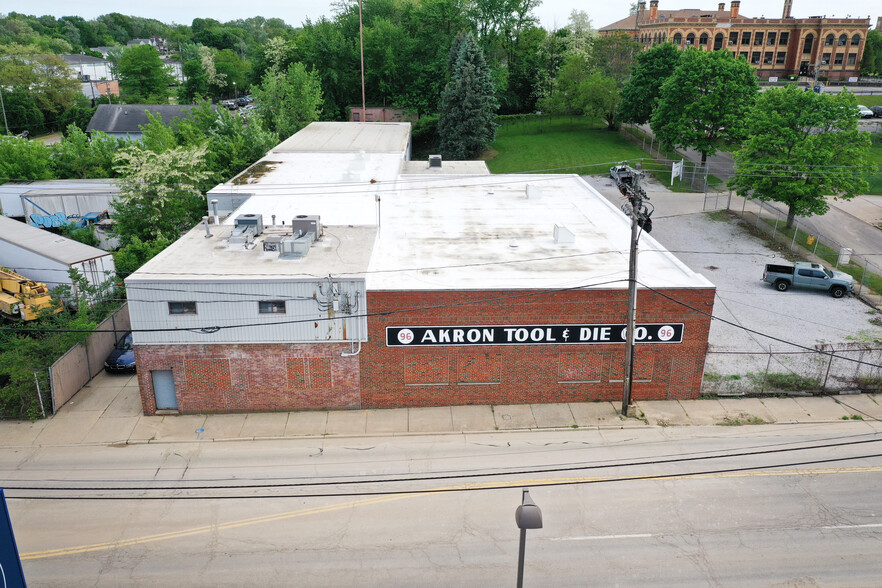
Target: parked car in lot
pixel 808 275
pixel 877 111
pixel 231 104
pixel 122 358
pixel 865 112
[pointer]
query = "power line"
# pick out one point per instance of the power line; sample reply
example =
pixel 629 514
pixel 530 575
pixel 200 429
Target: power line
pixel 487 486
pixel 456 475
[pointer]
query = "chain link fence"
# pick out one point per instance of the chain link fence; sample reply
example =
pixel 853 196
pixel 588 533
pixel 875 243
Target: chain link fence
pixel 801 238
pixel 828 369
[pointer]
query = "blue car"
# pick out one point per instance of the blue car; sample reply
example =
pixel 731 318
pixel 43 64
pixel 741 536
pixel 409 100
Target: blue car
pixel 122 359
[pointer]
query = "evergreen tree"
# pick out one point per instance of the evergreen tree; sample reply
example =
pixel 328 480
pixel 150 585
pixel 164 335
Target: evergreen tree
pixel 467 121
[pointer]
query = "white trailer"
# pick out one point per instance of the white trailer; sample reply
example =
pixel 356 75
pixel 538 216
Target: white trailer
pixel 46 257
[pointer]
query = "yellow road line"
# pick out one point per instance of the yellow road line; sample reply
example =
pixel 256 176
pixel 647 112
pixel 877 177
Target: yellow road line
pixel 381 499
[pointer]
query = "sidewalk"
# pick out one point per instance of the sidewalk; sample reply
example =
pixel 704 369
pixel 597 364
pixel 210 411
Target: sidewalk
pixel 107 411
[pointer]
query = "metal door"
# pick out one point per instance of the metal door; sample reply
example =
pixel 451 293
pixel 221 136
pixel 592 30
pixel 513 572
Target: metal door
pixel 164 390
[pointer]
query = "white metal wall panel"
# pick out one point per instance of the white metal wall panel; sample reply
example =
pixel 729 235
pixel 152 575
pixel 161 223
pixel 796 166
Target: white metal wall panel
pixel 69 203
pixel 33 265
pixel 309 315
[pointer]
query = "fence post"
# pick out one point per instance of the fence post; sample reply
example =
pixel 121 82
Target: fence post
pixel 864 273
pixel 758 215
pixel 743 205
pixel 795 231
pixel 39 394
pixel 817 241
pixel 729 200
pixel 775 230
pixel 827 375
pixel 766 373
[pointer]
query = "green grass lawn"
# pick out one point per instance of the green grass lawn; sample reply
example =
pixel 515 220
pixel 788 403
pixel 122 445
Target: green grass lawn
pixel 559 145
pixel 869 99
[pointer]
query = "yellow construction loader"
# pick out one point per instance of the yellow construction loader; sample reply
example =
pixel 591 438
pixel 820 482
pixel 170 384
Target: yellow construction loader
pixel 21 298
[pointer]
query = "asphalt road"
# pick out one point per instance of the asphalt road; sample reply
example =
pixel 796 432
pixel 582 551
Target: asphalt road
pixel 617 511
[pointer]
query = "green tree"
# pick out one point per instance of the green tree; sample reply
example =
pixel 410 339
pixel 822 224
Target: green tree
pixel 160 193
pixel 705 101
pixel 288 100
pixel 78 155
pixel 143 78
pixel 21 159
pixel 467 120
pixel 802 146
pixel 600 99
pixel 871 63
pixel 614 56
pixel 35 82
pixel 642 91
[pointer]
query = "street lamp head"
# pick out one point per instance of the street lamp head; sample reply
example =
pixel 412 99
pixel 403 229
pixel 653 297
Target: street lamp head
pixel 528 515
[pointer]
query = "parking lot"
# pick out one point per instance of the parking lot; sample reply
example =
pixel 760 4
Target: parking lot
pixel 757 317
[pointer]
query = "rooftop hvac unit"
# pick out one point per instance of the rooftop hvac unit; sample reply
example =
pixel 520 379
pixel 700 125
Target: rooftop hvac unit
pixel 250 220
pixel 296 247
pixel 272 243
pixel 307 223
pixel 241 236
pixel 435 161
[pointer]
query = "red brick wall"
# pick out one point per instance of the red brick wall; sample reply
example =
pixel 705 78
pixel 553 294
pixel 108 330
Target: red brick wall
pixel 436 376
pixel 243 378
pixel 246 378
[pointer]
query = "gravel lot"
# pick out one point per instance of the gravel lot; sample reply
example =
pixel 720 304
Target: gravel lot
pixel 717 247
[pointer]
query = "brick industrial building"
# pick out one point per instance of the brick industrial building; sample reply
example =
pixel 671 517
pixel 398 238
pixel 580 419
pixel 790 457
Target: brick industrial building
pixel 344 275
pixel 777 47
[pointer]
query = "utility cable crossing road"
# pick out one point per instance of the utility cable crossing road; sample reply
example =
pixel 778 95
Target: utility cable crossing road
pixel 696 506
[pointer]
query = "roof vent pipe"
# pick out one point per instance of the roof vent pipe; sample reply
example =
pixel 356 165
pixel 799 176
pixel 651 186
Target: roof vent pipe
pixel 274 220
pixel 214 212
pixel 208 234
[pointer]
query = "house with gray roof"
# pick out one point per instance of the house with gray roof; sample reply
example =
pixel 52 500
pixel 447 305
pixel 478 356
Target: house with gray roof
pixel 126 120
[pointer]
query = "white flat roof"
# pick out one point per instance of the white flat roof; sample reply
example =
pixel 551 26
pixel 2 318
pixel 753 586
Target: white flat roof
pixel 485 233
pixel 371 137
pixel 46 244
pixel 408 228
pixel 316 172
pixel 343 251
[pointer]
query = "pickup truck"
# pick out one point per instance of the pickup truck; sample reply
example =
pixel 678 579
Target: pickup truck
pixel 808 275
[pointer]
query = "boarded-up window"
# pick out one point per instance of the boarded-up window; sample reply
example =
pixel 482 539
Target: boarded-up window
pixel 479 367
pixel 426 369
pixel 579 367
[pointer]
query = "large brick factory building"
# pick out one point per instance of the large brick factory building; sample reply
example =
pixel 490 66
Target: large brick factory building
pixel 776 47
pixel 338 273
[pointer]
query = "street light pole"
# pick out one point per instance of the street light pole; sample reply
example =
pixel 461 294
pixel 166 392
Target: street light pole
pixel 527 516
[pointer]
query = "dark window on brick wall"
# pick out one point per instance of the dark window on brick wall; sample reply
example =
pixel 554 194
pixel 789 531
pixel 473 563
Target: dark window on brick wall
pixel 182 308
pixel 771 38
pixel 785 38
pixel 271 307
pixel 781 58
pixel 745 38
pixel 733 38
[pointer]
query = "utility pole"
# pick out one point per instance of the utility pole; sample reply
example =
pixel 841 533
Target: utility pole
pixel 627 180
pixel 5 124
pixel 632 310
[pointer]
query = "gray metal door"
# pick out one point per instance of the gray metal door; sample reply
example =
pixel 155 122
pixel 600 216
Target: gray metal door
pixel 164 390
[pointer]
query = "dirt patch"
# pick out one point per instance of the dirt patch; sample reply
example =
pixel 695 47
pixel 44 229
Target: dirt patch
pixel 255 172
